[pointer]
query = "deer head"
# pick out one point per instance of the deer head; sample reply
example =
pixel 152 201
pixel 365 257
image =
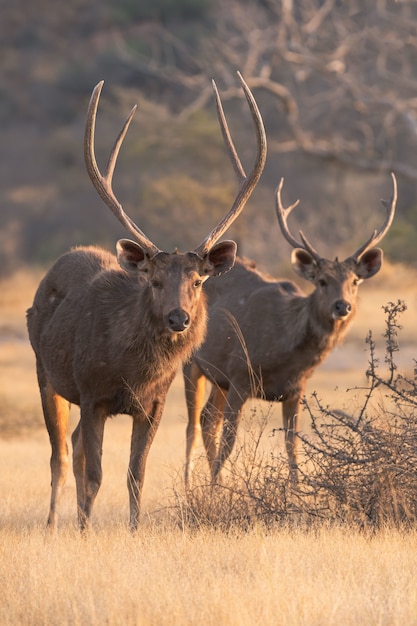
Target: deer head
pixel 336 282
pixel 143 257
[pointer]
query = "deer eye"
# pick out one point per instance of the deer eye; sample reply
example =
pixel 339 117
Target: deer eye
pixel 322 282
pixel 197 283
pixel 156 284
pixel 356 281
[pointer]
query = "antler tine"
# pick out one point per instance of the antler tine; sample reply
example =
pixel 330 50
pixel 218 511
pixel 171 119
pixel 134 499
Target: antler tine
pixel 246 183
pixel 282 215
pixel 377 236
pixel 103 184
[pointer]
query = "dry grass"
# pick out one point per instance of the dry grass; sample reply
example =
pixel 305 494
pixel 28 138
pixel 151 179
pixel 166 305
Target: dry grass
pixel 164 576
pixel 332 575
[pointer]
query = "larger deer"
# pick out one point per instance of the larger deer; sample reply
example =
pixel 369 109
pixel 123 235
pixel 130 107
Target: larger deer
pixel 265 338
pixel 109 334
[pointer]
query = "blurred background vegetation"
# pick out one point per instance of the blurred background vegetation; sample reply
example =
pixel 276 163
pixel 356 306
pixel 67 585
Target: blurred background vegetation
pixel 336 82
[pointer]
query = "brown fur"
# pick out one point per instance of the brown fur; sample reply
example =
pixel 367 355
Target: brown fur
pixel 111 338
pixel 102 342
pixel 265 338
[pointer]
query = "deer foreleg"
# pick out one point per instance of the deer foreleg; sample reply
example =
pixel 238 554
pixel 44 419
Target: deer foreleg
pixel 78 466
pixel 91 439
pixel 56 413
pixel 195 386
pixel 143 433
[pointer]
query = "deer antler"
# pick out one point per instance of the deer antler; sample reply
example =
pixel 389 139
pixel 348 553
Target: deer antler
pixel 103 184
pixel 374 239
pixel 377 236
pixel 283 214
pixel 246 183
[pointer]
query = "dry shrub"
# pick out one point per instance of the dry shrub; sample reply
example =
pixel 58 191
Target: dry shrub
pixel 364 465
pixel 358 468
pixel 255 490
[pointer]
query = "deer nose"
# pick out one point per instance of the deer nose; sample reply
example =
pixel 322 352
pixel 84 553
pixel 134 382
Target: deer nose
pixel 341 308
pixel 178 320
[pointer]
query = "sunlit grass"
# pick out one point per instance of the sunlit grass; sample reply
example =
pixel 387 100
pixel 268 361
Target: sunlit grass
pixel 165 575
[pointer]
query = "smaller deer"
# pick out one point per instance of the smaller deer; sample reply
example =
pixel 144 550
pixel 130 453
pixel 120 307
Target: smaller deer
pixel 109 334
pixel 265 338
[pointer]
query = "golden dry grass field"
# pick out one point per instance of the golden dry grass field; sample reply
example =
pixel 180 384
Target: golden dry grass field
pixel 165 575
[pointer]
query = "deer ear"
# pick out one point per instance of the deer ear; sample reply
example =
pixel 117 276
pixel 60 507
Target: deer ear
pixel 220 258
pixel 369 263
pixel 303 264
pixel 131 256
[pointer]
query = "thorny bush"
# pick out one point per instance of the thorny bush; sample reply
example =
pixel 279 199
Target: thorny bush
pixel 359 466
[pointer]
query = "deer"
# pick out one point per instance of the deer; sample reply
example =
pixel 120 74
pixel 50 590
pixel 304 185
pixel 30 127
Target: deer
pixel 110 332
pixel 265 338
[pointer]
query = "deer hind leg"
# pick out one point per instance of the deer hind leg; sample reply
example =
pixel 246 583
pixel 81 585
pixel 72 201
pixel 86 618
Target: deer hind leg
pixel 195 386
pixel 228 405
pixel 290 414
pixel 56 413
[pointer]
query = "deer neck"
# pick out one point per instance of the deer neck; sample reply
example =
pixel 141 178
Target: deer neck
pixel 315 334
pixel 139 328
pixel 323 330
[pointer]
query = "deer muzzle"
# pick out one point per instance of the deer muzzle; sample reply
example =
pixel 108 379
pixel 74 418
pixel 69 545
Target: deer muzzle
pixel 341 309
pixel 178 320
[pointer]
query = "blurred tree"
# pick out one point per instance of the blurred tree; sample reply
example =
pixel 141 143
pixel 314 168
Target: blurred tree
pixel 336 82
